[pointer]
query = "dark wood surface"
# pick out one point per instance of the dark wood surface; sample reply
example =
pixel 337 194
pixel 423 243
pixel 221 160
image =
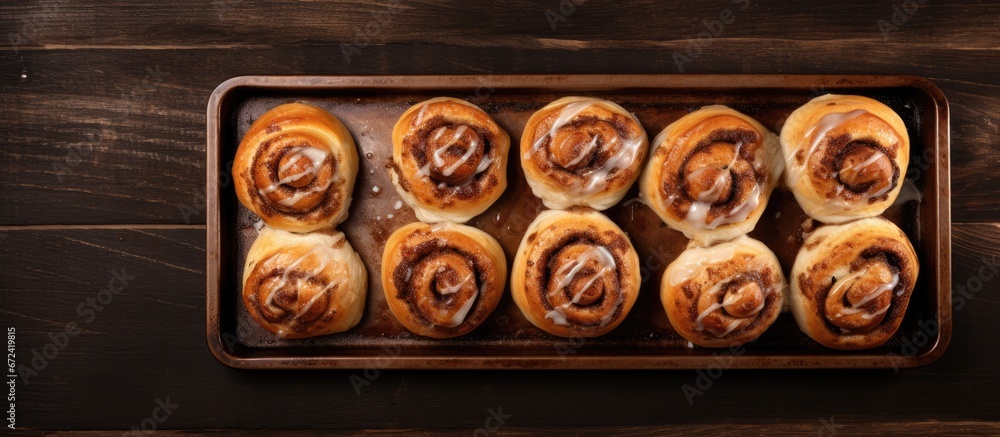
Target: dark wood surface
pixel 102 164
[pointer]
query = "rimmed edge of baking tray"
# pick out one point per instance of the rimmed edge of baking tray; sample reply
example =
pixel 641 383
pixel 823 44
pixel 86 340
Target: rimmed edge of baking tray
pixel 938 181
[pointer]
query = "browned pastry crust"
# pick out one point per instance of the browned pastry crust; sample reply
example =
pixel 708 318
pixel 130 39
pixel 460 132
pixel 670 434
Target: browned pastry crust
pixel 449 160
pixel 851 283
pixel 582 151
pixel 296 167
pixel 723 295
pixel 845 157
pixel 442 280
pixel 711 173
pixel 576 273
pixel 304 285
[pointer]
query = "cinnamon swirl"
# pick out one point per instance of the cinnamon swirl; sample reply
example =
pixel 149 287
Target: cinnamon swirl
pixel 449 160
pixel 851 283
pixel 442 280
pixel 575 274
pixel 304 285
pixel 711 173
pixel 581 151
pixel 846 156
pixel 296 167
pixel 723 295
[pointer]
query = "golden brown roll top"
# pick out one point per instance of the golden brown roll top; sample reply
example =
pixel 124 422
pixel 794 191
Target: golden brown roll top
pixel 304 285
pixel 711 173
pixel 846 157
pixel 851 283
pixel 576 273
pixel 723 295
pixel 296 167
pixel 442 280
pixel 449 160
pixel 580 151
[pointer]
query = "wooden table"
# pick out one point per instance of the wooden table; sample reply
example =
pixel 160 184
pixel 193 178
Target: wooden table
pixel 102 169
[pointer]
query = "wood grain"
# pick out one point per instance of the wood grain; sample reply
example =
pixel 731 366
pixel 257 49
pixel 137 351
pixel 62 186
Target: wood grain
pixel 520 23
pixel 821 428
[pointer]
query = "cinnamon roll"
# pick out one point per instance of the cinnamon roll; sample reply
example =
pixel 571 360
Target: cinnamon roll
pixel 846 156
pixel 723 295
pixel 576 274
pixel 851 283
pixel 581 151
pixel 711 173
pixel 442 280
pixel 449 160
pixel 304 285
pixel 295 168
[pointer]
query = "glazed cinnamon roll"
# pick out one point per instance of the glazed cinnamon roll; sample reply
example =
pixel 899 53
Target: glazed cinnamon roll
pixel 723 295
pixel 442 280
pixel 851 283
pixel 576 273
pixel 449 160
pixel 295 168
pixel 581 151
pixel 304 285
pixel 711 173
pixel 846 156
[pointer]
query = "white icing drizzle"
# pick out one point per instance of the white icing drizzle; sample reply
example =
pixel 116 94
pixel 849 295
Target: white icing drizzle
pixel 558 316
pixel 420 115
pixel 605 260
pixel 299 194
pixel 755 263
pixel 586 151
pixel 694 259
pixel 316 156
pixel 856 308
pixel 817 133
pixel 815 136
pixel 470 149
pixel 291 267
pixel 451 289
pixel 463 312
pixel 697 214
pixel 596 179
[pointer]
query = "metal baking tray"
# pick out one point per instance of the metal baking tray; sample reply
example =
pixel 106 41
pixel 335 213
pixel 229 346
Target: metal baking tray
pixel 369 107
